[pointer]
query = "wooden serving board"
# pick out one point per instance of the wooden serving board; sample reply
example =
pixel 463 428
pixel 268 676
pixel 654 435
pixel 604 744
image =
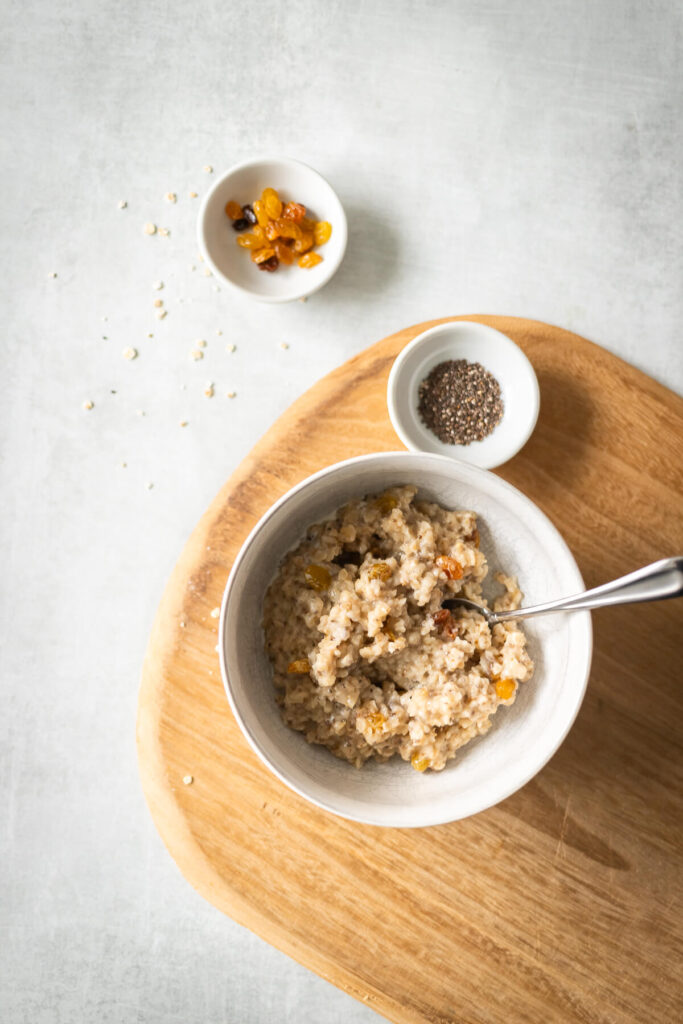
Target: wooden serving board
pixel 564 902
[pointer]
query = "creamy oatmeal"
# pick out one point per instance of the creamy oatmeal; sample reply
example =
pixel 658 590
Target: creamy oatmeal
pixel 366 661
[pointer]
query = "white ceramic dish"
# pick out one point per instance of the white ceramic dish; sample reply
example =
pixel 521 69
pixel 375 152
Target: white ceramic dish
pixel 245 183
pixel 515 536
pixel 464 339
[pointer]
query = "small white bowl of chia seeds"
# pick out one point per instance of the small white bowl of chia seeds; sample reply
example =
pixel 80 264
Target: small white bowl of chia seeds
pixel 465 390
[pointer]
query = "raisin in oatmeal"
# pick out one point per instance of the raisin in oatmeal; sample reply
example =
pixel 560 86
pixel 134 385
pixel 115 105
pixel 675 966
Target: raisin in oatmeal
pixel 366 661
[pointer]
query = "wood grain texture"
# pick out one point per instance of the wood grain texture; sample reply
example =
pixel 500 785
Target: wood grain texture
pixel 564 902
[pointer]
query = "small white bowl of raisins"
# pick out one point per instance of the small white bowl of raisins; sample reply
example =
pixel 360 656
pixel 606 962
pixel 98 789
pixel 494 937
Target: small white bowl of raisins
pixel 273 228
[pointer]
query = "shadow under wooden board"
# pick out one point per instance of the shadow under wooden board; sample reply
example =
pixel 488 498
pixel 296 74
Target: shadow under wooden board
pixel 563 903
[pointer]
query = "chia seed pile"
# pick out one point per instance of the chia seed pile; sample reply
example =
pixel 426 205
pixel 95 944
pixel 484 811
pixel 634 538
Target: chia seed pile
pixel 460 402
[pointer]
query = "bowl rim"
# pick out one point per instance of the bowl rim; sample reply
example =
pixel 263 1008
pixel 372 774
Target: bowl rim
pixel 331 266
pixel 440 819
pixel 517 441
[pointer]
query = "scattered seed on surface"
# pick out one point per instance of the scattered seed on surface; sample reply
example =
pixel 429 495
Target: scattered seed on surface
pixel 150 335
pixel 141 412
pixel 192 267
pixel 188 780
pixel 149 485
pixel 207 273
pixel 161 314
pixel 219 333
pixel 122 204
pixel 232 394
pixel 150 229
pixel 230 348
pixel 105 318
pixel 208 169
pixel 183 423
pixel 88 405
pixel 123 465
pixel 460 402
pixel 208 390
pixel 196 354
pixel 158 285
pixel 105 337
pixel 283 344
pixel 170 197
pixel 216 288
pixel 130 353
pixel 200 343
pixel 53 273
pixel 164 232
pixel 193 195
pixel 215 612
pixel 304 298
pixel 158 303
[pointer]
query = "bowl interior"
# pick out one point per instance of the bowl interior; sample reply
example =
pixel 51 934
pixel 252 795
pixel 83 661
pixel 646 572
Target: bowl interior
pixel 516 537
pixel 245 183
pixel 476 343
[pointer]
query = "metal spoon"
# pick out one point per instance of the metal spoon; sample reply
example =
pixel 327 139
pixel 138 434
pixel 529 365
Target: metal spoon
pixel 654 582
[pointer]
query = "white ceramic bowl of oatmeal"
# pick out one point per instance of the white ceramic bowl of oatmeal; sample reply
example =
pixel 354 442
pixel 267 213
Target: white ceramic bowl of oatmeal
pixel 516 537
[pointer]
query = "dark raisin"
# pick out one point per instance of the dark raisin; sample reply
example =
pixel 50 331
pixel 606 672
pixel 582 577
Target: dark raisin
pixel 348 558
pixel 270 265
pixel 248 211
pixel 241 224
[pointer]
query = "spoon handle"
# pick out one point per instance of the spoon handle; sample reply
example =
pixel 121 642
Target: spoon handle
pixel 654 582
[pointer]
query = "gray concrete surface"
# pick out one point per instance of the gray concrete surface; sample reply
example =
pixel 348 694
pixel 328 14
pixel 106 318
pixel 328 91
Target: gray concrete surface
pixel 518 158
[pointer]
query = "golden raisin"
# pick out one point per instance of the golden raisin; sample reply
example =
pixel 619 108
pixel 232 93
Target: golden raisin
pixel 299 667
pixel 287 228
pixel 304 243
pixel 385 502
pixel 294 211
pixel 307 224
pixel 379 571
pixel 317 577
pixel 233 210
pixel 322 232
pixel 375 720
pixel 250 241
pixel 283 252
pixel 271 231
pixel 261 255
pixel 444 621
pixel 419 762
pixel 451 569
pixel 272 204
pixel 505 688
pixel 309 259
pixel 261 215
